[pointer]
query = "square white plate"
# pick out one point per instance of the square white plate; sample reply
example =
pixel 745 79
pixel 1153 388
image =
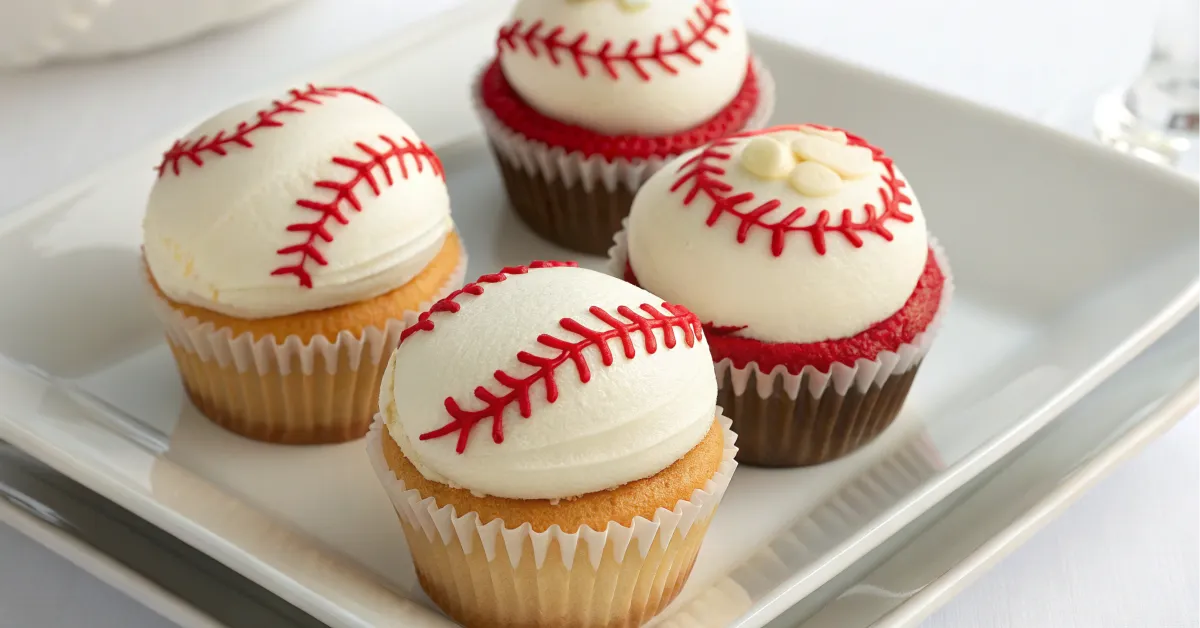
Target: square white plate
pixel 919 569
pixel 1069 261
pixel 895 585
pixel 900 582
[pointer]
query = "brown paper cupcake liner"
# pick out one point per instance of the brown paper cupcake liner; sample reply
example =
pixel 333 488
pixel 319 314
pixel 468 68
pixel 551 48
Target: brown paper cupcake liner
pixel 788 414
pixel 579 219
pixel 577 200
pixel 495 575
pixel 812 417
pixel 293 391
pixel 780 430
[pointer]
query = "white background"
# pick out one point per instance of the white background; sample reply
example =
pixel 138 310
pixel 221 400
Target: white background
pixel 1125 556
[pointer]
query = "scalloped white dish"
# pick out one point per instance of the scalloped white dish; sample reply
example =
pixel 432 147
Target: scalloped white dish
pixel 1069 260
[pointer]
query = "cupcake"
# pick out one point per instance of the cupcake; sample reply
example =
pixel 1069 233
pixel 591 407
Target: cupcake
pixel 586 99
pixel 805 253
pixel 287 245
pixel 549 439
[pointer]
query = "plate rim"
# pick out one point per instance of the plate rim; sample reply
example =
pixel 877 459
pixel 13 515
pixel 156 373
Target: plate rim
pixel 787 592
pixel 1176 406
pixel 105 569
pixel 792 590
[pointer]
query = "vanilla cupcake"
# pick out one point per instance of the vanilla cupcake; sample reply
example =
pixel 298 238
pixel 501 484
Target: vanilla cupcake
pixel 805 252
pixel 584 100
pixel 549 439
pixel 287 244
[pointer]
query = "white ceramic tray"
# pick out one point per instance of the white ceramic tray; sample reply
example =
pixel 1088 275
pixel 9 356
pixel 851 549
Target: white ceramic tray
pixel 918 570
pixel 895 585
pixel 1070 260
pixel 25 507
pixel 167 576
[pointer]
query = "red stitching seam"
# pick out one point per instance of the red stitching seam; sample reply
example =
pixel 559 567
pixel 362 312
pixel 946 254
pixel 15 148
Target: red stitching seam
pixel 449 304
pixel 519 388
pixel 704 178
pixel 219 144
pixel 360 171
pixel 699 29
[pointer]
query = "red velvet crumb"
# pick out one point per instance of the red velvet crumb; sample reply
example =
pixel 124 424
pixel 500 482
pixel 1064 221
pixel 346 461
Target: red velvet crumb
pixel 516 114
pixel 886 335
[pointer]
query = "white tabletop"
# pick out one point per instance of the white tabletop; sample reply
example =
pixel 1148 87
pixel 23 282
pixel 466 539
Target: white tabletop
pixel 1126 555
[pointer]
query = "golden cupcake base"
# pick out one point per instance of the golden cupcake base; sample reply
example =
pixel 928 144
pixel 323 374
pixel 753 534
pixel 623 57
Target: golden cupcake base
pixel 294 409
pixel 611 558
pixel 306 378
pixel 482 593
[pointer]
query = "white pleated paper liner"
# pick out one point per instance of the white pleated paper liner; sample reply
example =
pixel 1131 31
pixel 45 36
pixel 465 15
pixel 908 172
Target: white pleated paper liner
pixel 838 377
pixel 554 163
pixel 269 355
pixel 466 530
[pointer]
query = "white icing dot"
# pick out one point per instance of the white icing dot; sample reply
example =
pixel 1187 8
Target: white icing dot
pixel 833 135
pixel 848 161
pixel 814 180
pixel 767 158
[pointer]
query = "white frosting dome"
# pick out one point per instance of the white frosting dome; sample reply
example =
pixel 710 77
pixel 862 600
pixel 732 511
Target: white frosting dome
pixel 589 426
pixel 321 198
pixel 616 66
pixel 798 234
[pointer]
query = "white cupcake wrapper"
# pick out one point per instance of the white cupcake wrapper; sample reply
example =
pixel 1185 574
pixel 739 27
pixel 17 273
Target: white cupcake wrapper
pixel 839 377
pixel 268 355
pixel 423 513
pixel 554 163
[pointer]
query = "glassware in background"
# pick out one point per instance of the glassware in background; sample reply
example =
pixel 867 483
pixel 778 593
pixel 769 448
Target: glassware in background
pixel 1156 117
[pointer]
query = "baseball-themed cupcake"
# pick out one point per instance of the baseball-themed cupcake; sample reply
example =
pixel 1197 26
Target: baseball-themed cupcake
pixel 288 243
pixel 804 251
pixel 585 99
pixel 550 440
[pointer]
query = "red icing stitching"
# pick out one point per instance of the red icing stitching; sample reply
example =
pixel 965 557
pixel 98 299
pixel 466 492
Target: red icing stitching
pixel 704 178
pixel 450 305
pixel 519 388
pixel 360 170
pixel 665 50
pixel 219 144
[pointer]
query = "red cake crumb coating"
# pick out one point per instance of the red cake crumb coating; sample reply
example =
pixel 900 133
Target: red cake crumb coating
pixel 886 335
pixel 516 114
